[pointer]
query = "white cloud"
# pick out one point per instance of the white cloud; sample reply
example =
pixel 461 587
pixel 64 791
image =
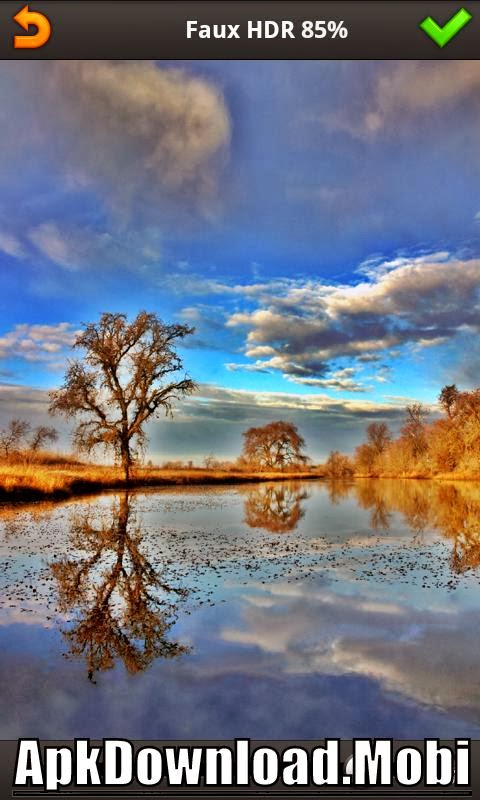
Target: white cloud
pixel 37 343
pixel 51 241
pixel 73 247
pixel 340 385
pixel 341 380
pixel 11 245
pixel 212 400
pixel 402 93
pixel 409 651
pixel 411 88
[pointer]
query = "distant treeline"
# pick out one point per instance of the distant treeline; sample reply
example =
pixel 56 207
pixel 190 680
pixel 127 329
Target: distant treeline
pixel 449 444
pixel 20 441
pixel 423 448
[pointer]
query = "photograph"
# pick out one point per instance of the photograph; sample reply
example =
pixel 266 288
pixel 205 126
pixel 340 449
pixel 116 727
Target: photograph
pixel 240 398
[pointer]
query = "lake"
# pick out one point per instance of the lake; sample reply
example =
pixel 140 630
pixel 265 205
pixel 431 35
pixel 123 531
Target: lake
pixel 275 610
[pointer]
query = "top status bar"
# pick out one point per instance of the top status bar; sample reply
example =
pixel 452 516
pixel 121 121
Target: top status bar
pixel 240 29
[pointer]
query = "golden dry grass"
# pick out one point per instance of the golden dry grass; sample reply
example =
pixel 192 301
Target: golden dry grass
pixel 416 474
pixel 23 481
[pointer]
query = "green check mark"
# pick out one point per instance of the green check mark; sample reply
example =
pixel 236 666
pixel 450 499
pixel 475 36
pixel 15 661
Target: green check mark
pixel 442 36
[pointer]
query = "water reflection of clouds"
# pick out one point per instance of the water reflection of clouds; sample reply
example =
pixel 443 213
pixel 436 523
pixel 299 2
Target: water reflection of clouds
pixel 360 645
pixel 31 613
pixel 427 655
pixel 225 689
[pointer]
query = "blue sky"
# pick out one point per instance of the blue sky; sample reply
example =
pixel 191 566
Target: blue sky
pixel 318 223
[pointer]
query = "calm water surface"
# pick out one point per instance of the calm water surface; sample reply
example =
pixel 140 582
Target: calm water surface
pixel 275 610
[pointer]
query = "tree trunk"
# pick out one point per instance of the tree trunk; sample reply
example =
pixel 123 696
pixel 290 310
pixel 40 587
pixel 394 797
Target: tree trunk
pixel 126 460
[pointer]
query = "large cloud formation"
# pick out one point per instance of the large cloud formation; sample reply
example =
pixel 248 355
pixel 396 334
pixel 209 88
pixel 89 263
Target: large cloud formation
pixel 420 302
pixel 132 150
pixel 139 128
pixel 141 136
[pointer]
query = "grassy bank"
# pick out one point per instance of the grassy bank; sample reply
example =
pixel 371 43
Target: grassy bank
pixel 22 482
pixel 61 479
pixel 423 475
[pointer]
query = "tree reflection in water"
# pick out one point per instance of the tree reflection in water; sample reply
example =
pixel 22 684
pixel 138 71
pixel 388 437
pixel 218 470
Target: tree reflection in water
pixel 122 610
pixel 458 517
pixel 338 490
pixel 275 507
pixel 452 509
pixel 369 498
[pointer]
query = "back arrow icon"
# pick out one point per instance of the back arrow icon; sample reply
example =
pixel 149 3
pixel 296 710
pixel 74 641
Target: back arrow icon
pixel 25 18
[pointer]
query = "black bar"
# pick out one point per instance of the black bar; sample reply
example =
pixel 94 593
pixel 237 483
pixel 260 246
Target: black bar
pixel 156 29
pixel 360 792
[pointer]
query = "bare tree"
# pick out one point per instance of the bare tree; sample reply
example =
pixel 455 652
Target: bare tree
pixel 274 446
pixel 40 436
pixel 414 430
pixel 210 462
pixel 365 457
pixel 378 437
pixel 126 377
pixel 448 398
pixel 338 466
pixel 12 437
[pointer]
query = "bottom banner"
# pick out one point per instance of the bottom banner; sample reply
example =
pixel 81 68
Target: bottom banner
pixel 240 768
